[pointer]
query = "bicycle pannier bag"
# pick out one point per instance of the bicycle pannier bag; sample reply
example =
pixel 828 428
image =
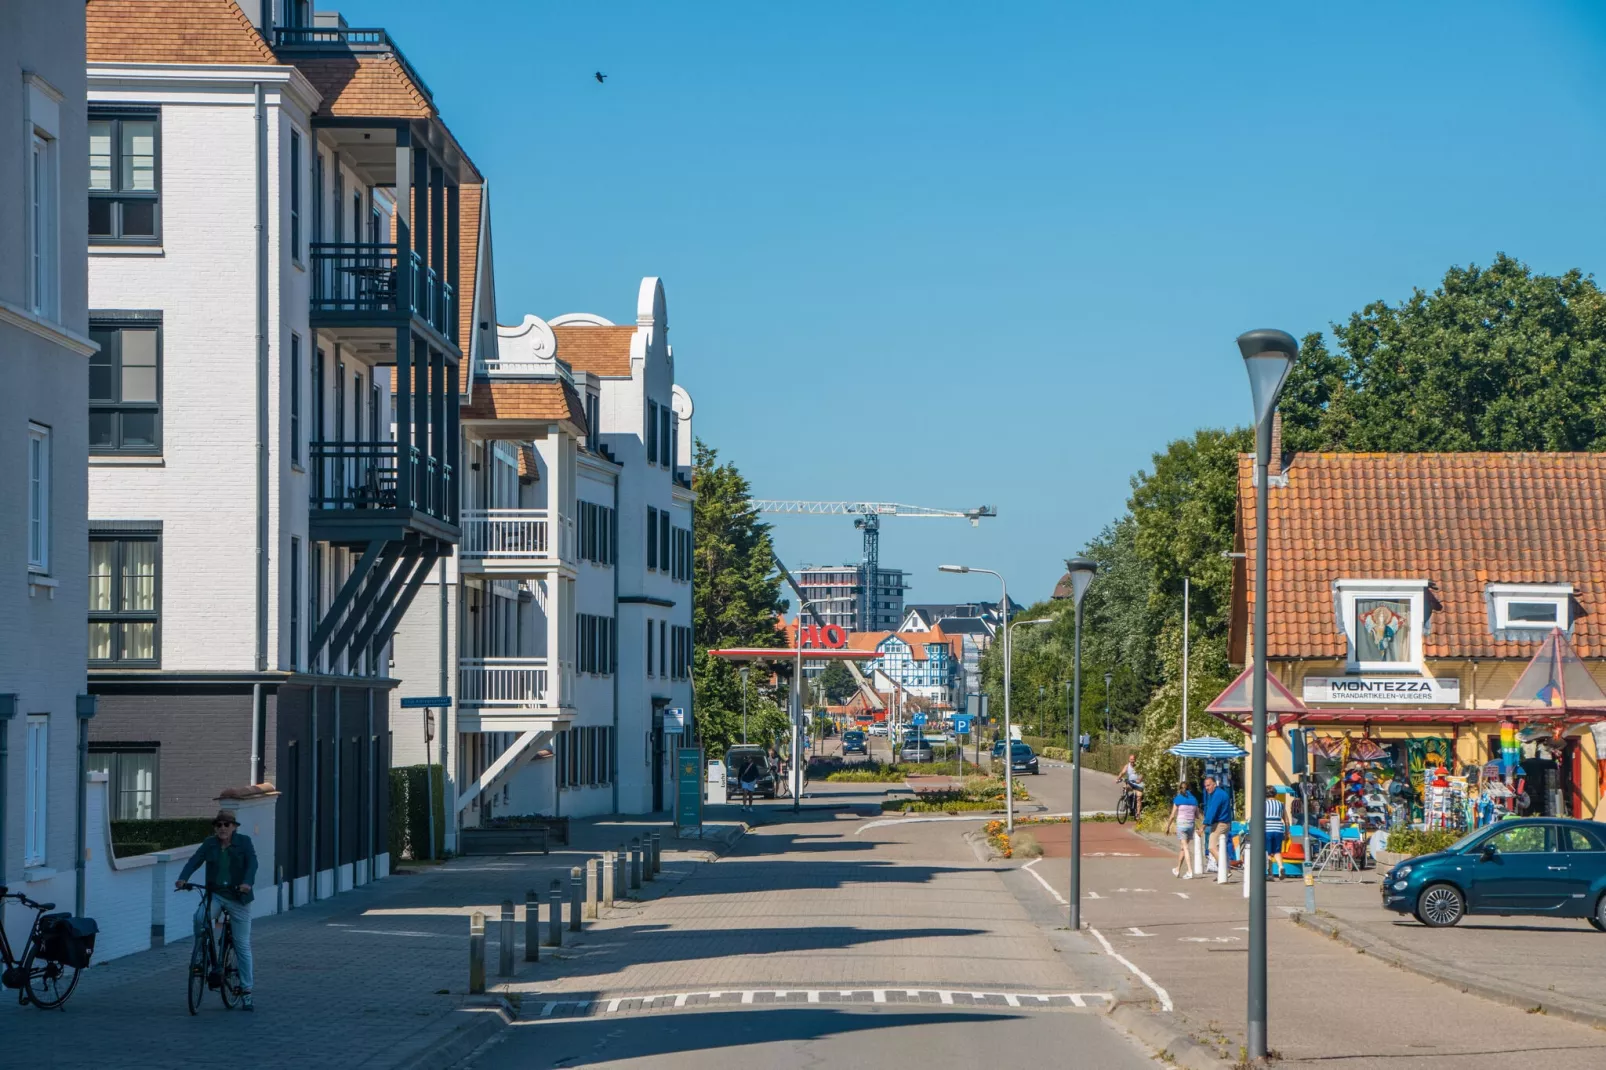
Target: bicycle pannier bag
pixel 67 940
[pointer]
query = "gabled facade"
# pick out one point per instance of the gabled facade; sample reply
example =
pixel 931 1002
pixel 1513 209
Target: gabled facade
pixel 927 665
pixel 275 216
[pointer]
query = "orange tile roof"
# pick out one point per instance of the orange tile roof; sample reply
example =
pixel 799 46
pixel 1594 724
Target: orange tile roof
pixel 365 86
pixel 545 400
pixel 468 262
pixel 598 350
pixel 167 31
pixel 1460 520
pixel 528 472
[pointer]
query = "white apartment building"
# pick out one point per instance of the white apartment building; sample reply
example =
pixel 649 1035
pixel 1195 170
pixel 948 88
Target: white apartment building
pixel 45 351
pixel 275 212
pixel 564 630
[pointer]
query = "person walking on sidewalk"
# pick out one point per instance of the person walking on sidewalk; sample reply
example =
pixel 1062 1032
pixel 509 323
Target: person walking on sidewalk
pixel 1276 831
pixel 231 868
pixel 1184 814
pixel 747 778
pixel 1218 825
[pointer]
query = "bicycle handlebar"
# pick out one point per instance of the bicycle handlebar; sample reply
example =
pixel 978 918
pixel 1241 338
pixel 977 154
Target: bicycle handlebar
pixel 25 901
pixel 214 888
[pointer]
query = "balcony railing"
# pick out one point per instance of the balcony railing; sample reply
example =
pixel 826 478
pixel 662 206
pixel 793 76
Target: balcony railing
pixel 351 39
pixel 367 475
pixel 506 533
pixel 503 682
pixel 371 280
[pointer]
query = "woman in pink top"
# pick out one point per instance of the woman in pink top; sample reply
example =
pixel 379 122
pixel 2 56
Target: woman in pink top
pixel 1185 815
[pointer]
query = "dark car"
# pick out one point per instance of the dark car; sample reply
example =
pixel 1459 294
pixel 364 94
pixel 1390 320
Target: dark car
pixel 853 742
pixel 738 757
pixel 916 749
pixel 1552 865
pixel 1023 760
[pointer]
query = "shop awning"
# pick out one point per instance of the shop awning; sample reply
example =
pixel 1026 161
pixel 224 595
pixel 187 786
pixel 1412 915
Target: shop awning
pixel 1235 705
pixel 1555 683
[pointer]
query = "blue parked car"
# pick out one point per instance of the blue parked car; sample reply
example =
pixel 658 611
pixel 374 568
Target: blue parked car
pixel 1547 866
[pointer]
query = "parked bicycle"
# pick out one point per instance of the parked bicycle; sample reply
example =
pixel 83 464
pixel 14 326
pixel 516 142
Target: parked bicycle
pixel 57 948
pixel 1127 805
pixel 212 963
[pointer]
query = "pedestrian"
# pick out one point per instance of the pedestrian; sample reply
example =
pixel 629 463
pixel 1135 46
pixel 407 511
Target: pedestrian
pixel 748 781
pixel 1184 814
pixel 1276 831
pixel 1218 825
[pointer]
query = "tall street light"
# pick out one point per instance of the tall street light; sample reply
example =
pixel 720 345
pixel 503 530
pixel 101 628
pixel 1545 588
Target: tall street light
pixel 1081 571
pixel 796 774
pixel 1009 740
pixel 1268 355
pixel 744 671
pixel 1109 676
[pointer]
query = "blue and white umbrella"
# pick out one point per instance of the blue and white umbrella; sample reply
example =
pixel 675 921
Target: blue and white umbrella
pixel 1207 747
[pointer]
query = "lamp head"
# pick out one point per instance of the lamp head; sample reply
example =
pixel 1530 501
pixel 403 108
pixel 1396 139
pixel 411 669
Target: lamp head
pixel 953 568
pixel 1269 355
pixel 1081 571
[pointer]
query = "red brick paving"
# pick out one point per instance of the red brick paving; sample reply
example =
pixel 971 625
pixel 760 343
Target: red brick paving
pixel 1098 838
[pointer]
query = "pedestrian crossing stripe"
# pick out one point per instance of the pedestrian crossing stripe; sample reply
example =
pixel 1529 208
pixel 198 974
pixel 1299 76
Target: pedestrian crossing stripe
pixel 790 996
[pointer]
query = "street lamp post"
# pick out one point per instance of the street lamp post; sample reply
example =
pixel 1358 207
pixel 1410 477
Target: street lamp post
pixel 1268 355
pixel 1009 742
pixel 796 775
pixel 1108 677
pixel 1081 571
pixel 744 671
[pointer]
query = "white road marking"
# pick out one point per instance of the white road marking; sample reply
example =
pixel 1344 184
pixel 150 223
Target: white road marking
pixel 1135 931
pixel 1028 868
pixel 1208 939
pixel 1165 998
pixel 1094 895
pixel 944 996
pixel 1134 889
pixel 1180 895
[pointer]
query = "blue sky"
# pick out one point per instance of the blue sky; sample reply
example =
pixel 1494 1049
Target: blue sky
pixel 938 254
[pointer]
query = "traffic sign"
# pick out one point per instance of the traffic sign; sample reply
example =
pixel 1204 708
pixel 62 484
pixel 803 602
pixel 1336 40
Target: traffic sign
pixel 918 718
pixel 675 719
pixel 962 725
pixel 428 702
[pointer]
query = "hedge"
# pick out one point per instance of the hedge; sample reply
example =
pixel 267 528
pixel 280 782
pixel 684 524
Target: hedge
pixel 131 837
pixel 1415 842
pixel 418 795
pixel 396 838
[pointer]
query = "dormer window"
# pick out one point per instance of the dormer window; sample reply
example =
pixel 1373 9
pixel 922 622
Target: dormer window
pixel 1529 608
pixel 1384 622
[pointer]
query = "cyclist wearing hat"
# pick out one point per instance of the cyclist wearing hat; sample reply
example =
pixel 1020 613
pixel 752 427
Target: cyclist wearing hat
pixel 231 867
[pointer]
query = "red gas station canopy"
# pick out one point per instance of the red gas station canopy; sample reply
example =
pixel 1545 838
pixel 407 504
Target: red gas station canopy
pixel 783 653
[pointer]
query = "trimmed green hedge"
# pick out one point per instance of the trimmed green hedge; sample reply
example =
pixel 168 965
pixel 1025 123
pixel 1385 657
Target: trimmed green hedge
pixel 396 838
pixel 1415 842
pixel 131 838
pixel 418 795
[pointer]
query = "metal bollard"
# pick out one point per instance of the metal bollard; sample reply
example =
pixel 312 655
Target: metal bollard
pixel 554 930
pixel 635 863
pixel 532 926
pixel 476 954
pixel 577 891
pixel 608 875
pixel 593 886
pixel 646 858
pixel 621 873
pixel 657 853
pixel 504 941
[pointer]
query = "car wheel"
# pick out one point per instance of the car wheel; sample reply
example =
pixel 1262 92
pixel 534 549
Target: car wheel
pixel 1440 906
pixel 1598 919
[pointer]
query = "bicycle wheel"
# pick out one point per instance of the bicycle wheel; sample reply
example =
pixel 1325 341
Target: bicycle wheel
pixel 49 983
pixel 230 989
pixel 1122 805
pixel 198 965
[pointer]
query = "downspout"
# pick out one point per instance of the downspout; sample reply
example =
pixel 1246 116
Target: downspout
pixel 8 710
pixel 86 710
pixel 448 807
pixel 613 773
pixel 258 700
pixel 335 756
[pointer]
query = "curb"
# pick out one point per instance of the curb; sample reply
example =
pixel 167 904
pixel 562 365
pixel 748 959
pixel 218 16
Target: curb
pixel 1554 1006
pixel 475 1026
pixel 1166 1038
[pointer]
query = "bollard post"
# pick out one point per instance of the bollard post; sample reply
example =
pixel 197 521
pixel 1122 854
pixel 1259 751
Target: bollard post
pixel 647 872
pixel 593 886
pixel 635 863
pixel 608 874
pixel 532 926
pixel 621 871
pixel 657 853
pixel 554 931
pixel 476 954
pixel 577 889
pixel 504 941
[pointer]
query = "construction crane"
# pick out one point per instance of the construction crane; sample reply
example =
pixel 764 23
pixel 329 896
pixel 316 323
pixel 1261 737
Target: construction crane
pixel 867 518
pixel 872 700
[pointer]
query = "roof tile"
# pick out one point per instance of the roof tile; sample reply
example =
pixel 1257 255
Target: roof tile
pixel 598 350
pixel 172 31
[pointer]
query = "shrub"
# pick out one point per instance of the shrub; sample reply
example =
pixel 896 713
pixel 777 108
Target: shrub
pixel 1415 842
pixel 418 796
pixel 396 834
pixel 1027 845
pixel 159 834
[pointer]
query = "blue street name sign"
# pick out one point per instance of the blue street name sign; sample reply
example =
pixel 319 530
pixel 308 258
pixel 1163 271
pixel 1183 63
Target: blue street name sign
pixel 428 702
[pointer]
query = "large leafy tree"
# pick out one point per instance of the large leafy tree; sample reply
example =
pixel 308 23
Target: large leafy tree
pixel 835 682
pixel 737 592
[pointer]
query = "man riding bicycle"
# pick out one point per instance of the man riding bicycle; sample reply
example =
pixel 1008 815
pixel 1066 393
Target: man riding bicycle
pixel 231 863
pixel 1134 783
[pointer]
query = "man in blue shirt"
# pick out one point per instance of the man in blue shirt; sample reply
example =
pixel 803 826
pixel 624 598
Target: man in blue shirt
pixel 1217 819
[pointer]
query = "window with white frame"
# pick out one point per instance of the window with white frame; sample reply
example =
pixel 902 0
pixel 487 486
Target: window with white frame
pixel 38 498
pixel 1529 607
pixel 130 778
pixel 1384 622
pixel 44 247
pixel 35 789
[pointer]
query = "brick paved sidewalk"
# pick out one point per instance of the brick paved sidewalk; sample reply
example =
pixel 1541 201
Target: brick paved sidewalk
pixel 368 979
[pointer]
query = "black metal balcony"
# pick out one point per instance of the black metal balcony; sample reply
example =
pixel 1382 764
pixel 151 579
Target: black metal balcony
pixel 369 284
pixel 351 40
pixel 359 488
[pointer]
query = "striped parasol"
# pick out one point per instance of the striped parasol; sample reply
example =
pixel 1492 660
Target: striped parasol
pixel 1207 747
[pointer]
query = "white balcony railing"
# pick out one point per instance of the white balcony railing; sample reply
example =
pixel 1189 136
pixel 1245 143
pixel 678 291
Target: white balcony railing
pixel 519 533
pixel 503 682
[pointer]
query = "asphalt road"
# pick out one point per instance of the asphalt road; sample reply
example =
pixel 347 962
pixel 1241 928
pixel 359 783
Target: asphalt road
pixel 878 1037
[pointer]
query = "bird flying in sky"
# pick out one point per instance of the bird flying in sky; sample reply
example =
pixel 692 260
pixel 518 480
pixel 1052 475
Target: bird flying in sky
pixel 601 77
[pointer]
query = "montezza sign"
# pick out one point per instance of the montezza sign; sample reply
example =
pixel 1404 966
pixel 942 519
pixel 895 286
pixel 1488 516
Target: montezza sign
pixel 1382 689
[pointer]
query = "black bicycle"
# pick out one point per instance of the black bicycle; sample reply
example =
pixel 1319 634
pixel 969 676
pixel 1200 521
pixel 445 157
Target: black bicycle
pixel 37 976
pixel 1127 805
pixel 212 963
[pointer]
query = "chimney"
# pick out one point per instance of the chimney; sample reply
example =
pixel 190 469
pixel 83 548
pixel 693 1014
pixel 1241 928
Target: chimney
pixel 1274 466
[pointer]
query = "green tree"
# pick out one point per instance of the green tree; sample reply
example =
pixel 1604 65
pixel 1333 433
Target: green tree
pixel 835 682
pixel 737 595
